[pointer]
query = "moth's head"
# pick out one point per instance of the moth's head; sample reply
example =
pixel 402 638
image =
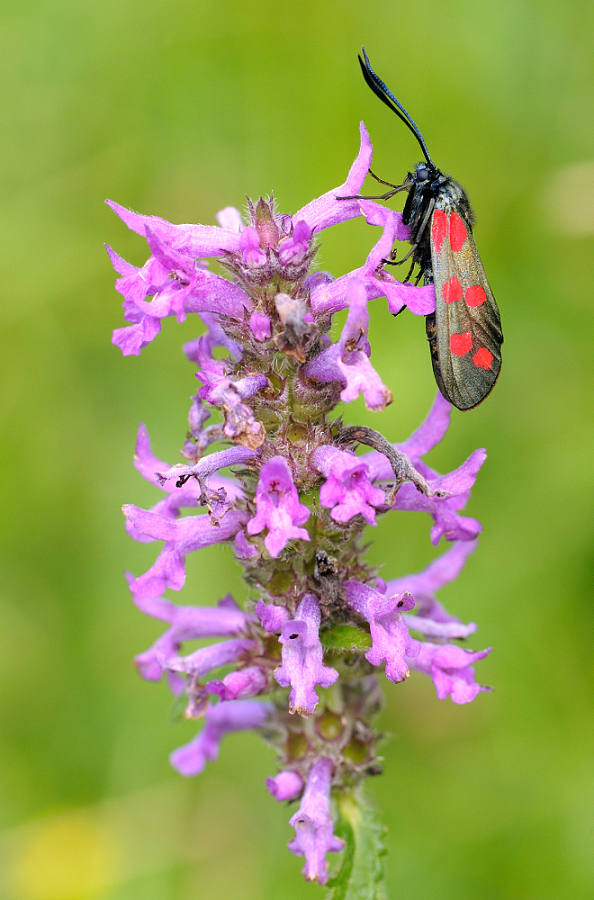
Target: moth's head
pixel 424 174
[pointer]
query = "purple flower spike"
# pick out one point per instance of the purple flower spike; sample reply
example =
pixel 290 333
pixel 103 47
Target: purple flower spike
pixel 348 360
pixel 272 366
pixel 236 715
pixel 432 619
pixel 239 685
pixel 327 210
pixel 314 828
pixel 451 669
pixel 347 491
pixel 272 617
pixel 391 642
pixel 286 785
pixel 302 667
pixel 278 506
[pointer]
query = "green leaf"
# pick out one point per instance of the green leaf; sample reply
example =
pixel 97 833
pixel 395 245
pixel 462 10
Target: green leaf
pixel 345 638
pixel 361 873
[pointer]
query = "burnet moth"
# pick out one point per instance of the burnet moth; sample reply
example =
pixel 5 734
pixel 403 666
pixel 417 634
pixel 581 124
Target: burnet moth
pixel 464 333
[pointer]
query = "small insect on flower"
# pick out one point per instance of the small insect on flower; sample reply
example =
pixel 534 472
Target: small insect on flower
pixel 464 332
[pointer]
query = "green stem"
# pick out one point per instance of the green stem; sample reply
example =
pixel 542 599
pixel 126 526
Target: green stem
pixel 361 873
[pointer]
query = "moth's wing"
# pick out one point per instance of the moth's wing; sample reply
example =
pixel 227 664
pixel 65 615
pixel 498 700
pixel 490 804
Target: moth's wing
pixel 466 344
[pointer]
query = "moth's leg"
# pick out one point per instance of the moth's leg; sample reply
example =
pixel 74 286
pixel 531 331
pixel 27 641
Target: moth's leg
pixel 386 196
pixel 409 273
pixel 381 181
pixel 398 262
pixel 425 221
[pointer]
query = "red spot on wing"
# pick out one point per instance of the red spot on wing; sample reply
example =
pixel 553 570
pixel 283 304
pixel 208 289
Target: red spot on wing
pixel 461 343
pixel 439 229
pixel 452 290
pixel 475 295
pixel 483 358
pixel 458 232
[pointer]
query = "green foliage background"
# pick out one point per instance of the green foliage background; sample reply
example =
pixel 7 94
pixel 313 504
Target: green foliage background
pixel 178 109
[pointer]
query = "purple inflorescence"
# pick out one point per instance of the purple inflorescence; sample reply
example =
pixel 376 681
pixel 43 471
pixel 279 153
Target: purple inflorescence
pixel 274 475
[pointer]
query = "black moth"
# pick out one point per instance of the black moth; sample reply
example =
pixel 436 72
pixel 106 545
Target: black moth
pixel 464 333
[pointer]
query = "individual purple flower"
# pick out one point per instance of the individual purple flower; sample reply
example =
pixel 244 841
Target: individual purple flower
pixel 314 828
pixel 331 297
pixel 327 210
pixel 196 241
pixel 230 219
pixel 204 660
pixel 239 685
pixel 183 287
pixel 134 285
pixel 249 243
pixel 235 715
pixel 272 617
pixel 431 431
pixel 347 490
pixel 391 642
pixel 303 666
pixel 450 667
pixel 295 248
pixel 187 623
pixel 206 467
pixel 195 490
pixel 198 664
pixel 204 346
pixel 278 507
pixel 444 510
pixel 287 785
pixel 240 423
pixel 244 549
pixel 177 283
pixel 182 537
pixel 455 485
pixel 348 360
pixel 260 326
pixel 432 620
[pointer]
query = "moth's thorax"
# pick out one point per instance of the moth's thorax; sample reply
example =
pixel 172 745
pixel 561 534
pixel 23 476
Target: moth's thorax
pixel 428 188
pixel 448 193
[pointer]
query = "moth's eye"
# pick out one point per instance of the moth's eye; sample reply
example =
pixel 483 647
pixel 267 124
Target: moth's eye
pixel 422 174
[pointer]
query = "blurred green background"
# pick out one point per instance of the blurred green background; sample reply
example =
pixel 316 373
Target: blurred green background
pixel 178 109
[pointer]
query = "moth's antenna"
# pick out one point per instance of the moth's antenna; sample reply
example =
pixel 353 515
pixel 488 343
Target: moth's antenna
pixel 385 94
